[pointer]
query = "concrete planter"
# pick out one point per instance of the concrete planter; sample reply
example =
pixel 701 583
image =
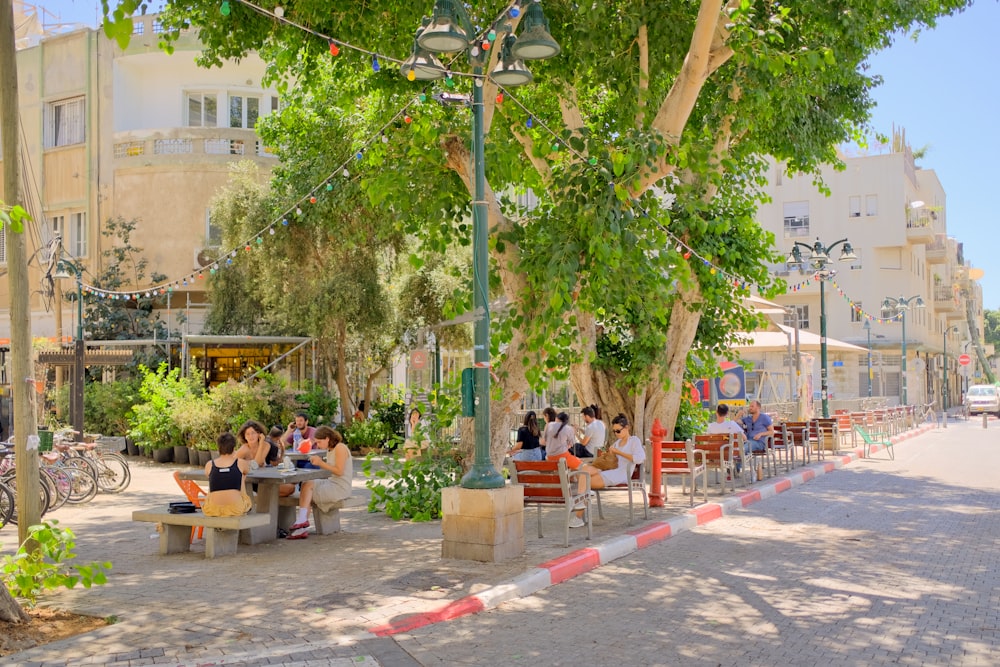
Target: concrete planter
pixel 163 455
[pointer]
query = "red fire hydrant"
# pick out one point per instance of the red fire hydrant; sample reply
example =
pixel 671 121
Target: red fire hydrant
pixel 657 435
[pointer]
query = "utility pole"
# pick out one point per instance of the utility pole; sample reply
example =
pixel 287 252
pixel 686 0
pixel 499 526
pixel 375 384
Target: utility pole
pixel 22 379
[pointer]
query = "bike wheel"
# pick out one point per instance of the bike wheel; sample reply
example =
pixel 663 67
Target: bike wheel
pixel 113 475
pixel 84 486
pixel 10 479
pixel 59 485
pixel 6 504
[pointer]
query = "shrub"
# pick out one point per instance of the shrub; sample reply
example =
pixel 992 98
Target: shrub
pixel 412 489
pixel 26 574
pixel 368 433
pixel 318 403
pixel 152 423
pixel 390 408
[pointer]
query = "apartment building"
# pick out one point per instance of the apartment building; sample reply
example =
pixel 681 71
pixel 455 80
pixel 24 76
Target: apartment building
pixel 895 217
pixel 138 134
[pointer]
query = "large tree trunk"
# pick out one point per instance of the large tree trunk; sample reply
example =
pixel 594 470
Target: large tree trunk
pixel 10 610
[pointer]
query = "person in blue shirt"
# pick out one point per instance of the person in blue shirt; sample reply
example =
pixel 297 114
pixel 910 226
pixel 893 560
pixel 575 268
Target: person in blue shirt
pixel 759 428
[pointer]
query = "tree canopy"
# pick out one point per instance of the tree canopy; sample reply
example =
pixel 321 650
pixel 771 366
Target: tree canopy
pixel 643 142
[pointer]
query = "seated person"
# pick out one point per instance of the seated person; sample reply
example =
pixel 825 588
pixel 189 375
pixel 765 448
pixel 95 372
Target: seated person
pixel 759 429
pixel 298 431
pixel 627 448
pixel 255 447
pixel 274 437
pixel 528 446
pixel 326 493
pixel 723 424
pixel 226 493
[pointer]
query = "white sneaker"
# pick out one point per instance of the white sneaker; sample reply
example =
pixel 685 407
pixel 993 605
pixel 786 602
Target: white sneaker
pixel 576 522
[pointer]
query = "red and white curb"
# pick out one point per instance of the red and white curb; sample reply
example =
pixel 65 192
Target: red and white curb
pixel 584 560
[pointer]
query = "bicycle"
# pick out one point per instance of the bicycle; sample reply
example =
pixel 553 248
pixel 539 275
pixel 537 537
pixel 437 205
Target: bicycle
pixel 110 469
pixel 6 504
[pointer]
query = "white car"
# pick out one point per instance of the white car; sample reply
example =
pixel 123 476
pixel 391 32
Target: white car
pixel 983 398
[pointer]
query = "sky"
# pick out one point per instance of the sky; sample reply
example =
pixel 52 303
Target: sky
pixel 939 88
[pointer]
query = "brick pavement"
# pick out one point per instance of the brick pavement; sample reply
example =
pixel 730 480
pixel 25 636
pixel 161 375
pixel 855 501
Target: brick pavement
pixel 883 563
pixel 308 602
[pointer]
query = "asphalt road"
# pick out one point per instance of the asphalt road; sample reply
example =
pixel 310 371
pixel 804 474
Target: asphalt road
pixel 880 563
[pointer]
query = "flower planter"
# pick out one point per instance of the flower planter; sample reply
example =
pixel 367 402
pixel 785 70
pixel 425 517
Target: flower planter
pixel 180 454
pixel 204 456
pixel 163 454
pixel 193 456
pixel 131 447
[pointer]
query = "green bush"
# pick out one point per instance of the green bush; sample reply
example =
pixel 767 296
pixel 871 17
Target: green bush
pixel 26 574
pixel 152 422
pixel 412 489
pixel 368 433
pixel 318 403
pixel 109 406
pixel 390 408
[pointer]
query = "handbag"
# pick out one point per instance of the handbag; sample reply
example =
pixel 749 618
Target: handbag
pixel 605 460
pixel 181 507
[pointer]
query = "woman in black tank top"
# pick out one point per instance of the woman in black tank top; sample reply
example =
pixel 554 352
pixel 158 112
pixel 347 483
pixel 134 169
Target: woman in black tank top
pixel 226 495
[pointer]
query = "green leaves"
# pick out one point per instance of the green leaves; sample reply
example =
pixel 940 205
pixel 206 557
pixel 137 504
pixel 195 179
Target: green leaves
pixel 28 574
pixel 13 218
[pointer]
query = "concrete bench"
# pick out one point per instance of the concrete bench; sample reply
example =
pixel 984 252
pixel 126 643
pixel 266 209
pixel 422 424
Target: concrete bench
pixel 325 522
pixel 221 532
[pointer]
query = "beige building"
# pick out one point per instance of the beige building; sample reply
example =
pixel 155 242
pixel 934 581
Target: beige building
pixel 895 216
pixel 138 134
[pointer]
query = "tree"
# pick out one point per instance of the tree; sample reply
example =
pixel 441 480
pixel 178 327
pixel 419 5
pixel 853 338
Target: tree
pixel 644 239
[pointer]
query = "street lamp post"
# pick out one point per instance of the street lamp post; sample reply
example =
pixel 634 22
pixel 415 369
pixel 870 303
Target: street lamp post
pixel 901 305
pixel 76 395
pixel 818 258
pixel 868 329
pixel 945 399
pixel 450 30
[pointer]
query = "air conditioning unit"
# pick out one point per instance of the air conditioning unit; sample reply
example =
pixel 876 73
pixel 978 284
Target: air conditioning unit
pixel 203 257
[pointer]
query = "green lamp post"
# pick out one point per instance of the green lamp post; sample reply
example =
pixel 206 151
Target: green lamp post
pixel 449 30
pixel 818 258
pixel 63 270
pixel 901 305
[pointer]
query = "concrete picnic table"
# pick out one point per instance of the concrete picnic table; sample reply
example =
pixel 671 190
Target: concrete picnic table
pixel 266 499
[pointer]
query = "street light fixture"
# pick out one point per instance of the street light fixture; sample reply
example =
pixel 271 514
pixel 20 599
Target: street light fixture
pixel 901 305
pixel 63 269
pixel 449 30
pixel 818 258
pixel 868 330
pixel 946 394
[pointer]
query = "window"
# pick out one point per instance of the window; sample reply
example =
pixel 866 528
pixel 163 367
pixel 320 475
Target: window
pixel 856 311
pixel 64 123
pixel 77 235
pixel 138 27
pixel 803 314
pixel 243 111
pixel 157 27
pixel 57 227
pixel 202 110
pixel 213 233
pixel 871 205
pixel 854 206
pixel 796 215
pixel 889 258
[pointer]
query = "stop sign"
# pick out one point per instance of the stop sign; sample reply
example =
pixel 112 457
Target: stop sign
pixel 964 359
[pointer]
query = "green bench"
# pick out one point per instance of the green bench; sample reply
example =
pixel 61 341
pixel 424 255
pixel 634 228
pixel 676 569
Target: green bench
pixel 869 441
pixel 221 532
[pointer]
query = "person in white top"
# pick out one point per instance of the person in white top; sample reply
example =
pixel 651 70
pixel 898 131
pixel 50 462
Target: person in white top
pixel 596 433
pixel 723 424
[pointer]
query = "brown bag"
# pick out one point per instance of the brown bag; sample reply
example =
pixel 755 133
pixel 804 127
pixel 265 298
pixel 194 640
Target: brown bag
pixel 605 460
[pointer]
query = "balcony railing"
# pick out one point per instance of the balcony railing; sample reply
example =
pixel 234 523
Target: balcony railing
pixel 148 146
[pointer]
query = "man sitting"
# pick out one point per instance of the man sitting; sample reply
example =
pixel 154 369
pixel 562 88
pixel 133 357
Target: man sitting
pixel 759 429
pixel 723 424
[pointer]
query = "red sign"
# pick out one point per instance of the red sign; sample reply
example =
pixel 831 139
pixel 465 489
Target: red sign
pixel 418 360
pixel 964 359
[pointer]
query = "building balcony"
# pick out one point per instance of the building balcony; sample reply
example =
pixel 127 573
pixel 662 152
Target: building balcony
pixel 945 299
pixel 937 251
pixel 920 226
pixel 198 144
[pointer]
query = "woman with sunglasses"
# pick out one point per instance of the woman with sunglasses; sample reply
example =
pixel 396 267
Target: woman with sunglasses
pixel 628 449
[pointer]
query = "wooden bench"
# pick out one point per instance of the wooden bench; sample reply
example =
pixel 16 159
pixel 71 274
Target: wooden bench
pixel 886 443
pixel 221 536
pixel 548 483
pixel 720 454
pixel 681 458
pixel 325 522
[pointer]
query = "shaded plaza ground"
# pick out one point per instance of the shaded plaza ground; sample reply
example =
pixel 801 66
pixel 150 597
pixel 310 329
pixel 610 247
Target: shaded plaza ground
pixel 306 600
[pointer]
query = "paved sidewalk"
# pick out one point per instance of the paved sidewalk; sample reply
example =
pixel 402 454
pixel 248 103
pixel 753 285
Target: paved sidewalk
pixel 327 600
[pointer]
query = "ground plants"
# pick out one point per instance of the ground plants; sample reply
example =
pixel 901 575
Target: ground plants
pixel 411 489
pixel 28 573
